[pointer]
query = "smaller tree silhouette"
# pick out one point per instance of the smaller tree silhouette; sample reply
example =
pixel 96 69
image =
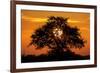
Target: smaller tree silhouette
pixel 57 35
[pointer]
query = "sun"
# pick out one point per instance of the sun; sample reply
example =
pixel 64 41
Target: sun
pixel 58 32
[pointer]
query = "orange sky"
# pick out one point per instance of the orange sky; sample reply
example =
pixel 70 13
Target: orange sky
pixel 32 20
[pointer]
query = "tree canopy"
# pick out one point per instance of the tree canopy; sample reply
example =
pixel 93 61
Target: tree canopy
pixel 57 35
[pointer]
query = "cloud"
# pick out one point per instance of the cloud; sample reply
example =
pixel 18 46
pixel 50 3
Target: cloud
pixel 32 19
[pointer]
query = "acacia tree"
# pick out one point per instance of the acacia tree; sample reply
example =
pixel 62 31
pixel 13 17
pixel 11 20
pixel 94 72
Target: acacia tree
pixel 57 35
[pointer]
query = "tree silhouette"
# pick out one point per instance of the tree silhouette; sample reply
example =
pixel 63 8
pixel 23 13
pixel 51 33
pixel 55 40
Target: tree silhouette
pixel 57 35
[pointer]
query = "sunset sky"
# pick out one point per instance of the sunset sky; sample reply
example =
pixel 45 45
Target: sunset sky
pixel 32 20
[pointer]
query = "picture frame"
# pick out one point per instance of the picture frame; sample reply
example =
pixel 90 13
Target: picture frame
pixel 21 8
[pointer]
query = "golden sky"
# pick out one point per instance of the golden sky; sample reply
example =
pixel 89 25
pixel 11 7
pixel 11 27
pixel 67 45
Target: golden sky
pixel 32 20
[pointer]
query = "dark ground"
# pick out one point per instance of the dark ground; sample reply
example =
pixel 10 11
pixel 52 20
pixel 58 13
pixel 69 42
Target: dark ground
pixel 66 56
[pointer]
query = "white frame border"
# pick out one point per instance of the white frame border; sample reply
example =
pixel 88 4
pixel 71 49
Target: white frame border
pixel 20 65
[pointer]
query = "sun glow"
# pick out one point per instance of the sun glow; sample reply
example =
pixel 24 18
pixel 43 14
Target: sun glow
pixel 57 32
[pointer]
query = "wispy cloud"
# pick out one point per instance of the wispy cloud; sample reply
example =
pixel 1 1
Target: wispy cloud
pixel 32 19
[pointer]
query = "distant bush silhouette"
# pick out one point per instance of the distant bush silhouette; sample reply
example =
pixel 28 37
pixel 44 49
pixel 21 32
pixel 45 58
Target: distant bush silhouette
pixel 68 55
